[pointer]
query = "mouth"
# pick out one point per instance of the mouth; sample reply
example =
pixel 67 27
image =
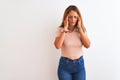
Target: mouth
pixel 72 22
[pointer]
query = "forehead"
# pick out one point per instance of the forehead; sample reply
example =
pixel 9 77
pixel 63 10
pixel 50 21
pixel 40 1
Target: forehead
pixel 72 13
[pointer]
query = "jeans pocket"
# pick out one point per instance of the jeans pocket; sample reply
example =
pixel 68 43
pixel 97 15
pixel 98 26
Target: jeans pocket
pixel 63 62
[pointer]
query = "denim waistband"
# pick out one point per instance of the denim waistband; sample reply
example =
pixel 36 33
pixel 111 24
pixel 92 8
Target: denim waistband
pixel 65 58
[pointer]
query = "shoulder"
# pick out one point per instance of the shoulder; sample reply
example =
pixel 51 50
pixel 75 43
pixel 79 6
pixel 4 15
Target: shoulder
pixel 59 29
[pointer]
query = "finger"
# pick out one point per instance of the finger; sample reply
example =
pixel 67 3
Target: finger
pixel 66 18
pixel 78 18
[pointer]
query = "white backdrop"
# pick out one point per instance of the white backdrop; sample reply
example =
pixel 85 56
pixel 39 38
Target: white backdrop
pixel 27 30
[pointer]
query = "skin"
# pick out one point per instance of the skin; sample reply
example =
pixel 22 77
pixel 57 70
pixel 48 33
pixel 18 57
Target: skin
pixel 71 20
pixel 69 25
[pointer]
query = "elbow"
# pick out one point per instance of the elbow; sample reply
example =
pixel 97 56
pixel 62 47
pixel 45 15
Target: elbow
pixel 87 45
pixel 57 46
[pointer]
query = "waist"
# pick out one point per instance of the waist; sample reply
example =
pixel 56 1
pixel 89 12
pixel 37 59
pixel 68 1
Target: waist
pixel 72 55
pixel 69 59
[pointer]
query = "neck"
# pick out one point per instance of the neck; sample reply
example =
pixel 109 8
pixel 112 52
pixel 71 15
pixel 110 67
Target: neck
pixel 71 28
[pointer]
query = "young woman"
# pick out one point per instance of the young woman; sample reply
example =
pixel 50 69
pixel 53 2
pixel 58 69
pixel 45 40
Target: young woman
pixel 70 38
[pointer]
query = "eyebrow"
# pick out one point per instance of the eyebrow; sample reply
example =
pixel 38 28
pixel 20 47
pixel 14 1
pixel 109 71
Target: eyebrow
pixel 73 16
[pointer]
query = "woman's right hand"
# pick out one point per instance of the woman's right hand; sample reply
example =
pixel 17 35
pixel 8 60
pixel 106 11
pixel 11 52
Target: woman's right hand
pixel 66 24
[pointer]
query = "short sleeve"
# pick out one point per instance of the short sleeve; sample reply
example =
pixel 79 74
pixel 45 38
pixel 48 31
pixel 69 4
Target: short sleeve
pixel 58 32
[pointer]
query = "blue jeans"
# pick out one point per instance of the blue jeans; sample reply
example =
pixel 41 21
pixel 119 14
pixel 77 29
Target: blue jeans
pixel 71 69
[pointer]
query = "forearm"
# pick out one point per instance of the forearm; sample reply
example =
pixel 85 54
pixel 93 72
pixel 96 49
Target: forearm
pixel 59 40
pixel 85 40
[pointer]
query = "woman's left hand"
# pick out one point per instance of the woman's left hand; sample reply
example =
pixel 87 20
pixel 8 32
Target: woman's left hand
pixel 79 23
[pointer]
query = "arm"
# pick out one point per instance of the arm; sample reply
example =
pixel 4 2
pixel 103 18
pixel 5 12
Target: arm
pixel 84 38
pixel 59 40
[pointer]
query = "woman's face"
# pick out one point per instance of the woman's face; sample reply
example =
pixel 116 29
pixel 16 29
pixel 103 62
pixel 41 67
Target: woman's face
pixel 72 18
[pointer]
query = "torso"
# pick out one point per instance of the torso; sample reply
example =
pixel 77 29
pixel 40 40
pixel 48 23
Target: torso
pixel 72 46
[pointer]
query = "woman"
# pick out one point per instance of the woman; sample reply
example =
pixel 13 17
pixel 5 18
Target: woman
pixel 70 38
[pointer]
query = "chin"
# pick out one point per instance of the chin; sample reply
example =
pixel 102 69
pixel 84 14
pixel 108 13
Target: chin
pixel 73 25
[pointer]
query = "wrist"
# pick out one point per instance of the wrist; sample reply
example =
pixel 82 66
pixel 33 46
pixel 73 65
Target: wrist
pixel 64 31
pixel 79 29
pixel 65 28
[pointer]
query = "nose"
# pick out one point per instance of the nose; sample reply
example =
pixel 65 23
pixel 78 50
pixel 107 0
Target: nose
pixel 72 18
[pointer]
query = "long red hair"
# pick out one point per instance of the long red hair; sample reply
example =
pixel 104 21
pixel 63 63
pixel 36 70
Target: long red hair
pixel 74 8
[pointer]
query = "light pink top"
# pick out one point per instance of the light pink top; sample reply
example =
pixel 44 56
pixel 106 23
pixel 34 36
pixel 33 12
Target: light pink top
pixel 72 46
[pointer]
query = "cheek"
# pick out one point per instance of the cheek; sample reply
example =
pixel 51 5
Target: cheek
pixel 69 20
pixel 76 20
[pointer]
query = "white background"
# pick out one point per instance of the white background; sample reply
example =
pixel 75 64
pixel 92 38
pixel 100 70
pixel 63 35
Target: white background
pixel 27 30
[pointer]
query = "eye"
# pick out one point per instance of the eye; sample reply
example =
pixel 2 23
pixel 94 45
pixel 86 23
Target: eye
pixel 75 17
pixel 70 17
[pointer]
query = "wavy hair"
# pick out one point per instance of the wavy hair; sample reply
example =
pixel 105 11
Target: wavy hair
pixel 74 8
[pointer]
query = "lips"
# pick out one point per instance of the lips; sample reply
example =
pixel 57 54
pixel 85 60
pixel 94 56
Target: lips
pixel 73 22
